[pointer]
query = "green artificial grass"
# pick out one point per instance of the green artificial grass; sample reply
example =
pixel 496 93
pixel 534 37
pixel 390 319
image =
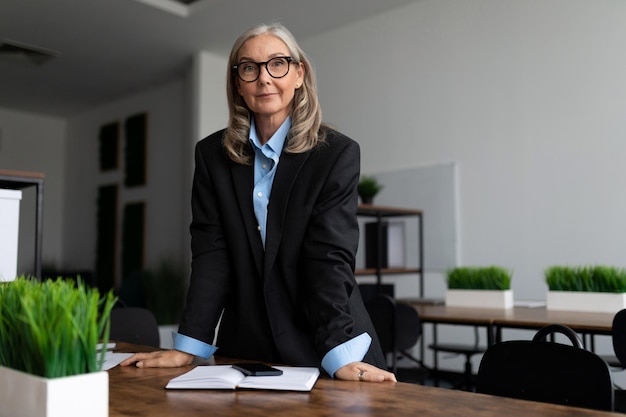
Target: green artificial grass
pixel 586 278
pixel 479 278
pixel 51 328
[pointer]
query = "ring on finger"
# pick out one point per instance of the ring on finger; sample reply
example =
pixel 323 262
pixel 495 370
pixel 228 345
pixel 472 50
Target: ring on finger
pixel 361 373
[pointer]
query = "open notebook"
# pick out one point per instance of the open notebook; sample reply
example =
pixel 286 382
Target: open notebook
pixel 226 377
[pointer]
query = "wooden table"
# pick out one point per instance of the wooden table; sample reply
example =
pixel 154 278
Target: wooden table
pixel 140 392
pixel 494 320
pixel 535 318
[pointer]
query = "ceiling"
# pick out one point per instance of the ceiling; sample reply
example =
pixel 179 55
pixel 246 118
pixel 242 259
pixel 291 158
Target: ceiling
pixel 107 49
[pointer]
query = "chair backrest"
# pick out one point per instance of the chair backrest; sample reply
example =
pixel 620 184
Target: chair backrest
pixel 619 336
pixel 134 325
pixel 548 372
pixel 408 326
pixel 397 324
pixel 381 308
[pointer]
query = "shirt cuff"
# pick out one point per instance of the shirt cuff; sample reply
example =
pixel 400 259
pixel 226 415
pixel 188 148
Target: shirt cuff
pixel 353 350
pixel 193 346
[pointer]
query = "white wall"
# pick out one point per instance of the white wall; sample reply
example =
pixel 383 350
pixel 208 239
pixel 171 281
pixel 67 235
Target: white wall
pixel 68 154
pixel 209 109
pixel 166 202
pixel 528 98
pixel 34 142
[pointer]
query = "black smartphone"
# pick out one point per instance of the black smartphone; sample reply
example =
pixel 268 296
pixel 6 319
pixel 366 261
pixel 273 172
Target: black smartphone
pixel 257 369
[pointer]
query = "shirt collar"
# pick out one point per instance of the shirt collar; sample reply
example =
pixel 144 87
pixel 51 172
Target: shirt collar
pixel 276 142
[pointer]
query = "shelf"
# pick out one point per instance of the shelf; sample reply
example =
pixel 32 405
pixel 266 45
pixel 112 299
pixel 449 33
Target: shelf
pixel 380 213
pixel 384 211
pixel 17 180
pixel 387 271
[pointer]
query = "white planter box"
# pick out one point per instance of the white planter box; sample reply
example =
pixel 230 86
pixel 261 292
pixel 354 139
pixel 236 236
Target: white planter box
pixel 24 395
pixel 599 302
pixel 479 298
pixel 9 225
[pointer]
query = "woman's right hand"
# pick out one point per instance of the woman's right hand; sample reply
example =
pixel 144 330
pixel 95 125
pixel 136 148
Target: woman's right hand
pixel 159 359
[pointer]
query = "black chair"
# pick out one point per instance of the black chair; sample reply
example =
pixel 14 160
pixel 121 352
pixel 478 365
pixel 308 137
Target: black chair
pixel 619 343
pixel 134 325
pixel 618 336
pixel 466 349
pixel 539 370
pixel 614 363
pixel 397 325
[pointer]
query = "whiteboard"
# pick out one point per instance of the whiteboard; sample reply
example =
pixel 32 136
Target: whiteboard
pixel 431 189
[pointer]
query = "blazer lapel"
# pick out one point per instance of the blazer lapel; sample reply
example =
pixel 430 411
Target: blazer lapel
pixel 243 184
pixel 287 171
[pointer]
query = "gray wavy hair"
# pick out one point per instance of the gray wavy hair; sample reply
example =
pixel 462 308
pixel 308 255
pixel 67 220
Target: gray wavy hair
pixel 306 116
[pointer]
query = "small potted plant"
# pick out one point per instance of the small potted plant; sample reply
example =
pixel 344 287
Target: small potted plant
pixel 367 189
pixel 586 288
pixel 49 364
pixel 484 287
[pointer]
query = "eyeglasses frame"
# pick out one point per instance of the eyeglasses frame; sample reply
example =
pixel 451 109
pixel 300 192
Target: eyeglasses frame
pixel 235 68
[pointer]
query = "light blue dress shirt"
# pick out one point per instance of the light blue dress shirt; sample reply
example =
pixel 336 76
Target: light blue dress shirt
pixel 266 160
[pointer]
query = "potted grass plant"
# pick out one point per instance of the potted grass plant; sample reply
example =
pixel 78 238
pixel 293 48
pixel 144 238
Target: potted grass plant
pixel 367 189
pixel 479 286
pixel 586 288
pixel 49 363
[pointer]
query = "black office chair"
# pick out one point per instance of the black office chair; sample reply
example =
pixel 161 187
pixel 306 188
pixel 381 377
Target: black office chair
pixel 614 363
pixel 134 325
pixel 550 372
pixel 619 343
pixel 618 336
pixel 466 349
pixel 397 325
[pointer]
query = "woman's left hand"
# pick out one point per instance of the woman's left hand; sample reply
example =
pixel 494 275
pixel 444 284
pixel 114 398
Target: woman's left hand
pixel 361 371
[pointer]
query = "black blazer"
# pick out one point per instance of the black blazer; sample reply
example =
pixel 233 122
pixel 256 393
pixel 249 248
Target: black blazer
pixel 297 299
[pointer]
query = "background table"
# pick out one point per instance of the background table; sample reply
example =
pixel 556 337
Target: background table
pixel 534 318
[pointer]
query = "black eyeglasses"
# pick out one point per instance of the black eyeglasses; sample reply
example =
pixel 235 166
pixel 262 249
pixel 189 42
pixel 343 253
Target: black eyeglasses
pixel 276 67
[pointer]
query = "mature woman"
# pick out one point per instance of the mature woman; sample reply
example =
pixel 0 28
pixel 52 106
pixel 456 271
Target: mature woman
pixel 274 230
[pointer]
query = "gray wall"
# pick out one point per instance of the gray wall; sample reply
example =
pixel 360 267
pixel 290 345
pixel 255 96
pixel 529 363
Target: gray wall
pixel 526 97
pixel 164 192
pixel 20 134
